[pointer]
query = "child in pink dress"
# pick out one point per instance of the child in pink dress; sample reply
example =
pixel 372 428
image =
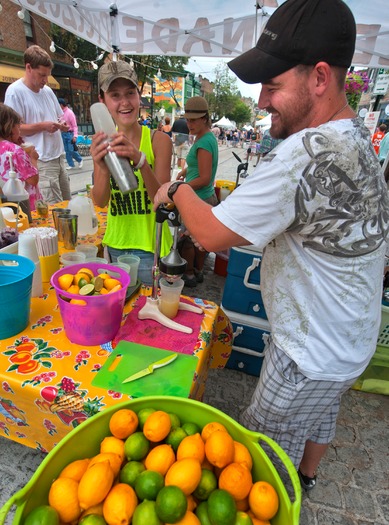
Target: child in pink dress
pixel 23 162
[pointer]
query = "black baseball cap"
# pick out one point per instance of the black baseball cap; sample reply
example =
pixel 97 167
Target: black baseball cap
pixel 299 32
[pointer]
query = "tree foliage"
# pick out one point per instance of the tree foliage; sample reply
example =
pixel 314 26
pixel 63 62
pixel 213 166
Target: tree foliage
pixel 241 113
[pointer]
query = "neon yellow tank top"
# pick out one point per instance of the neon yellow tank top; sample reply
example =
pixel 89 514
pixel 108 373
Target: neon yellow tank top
pixel 131 219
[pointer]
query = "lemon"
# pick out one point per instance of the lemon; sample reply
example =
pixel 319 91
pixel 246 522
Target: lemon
pixel 43 515
pixel 145 513
pixel 208 483
pixel 80 302
pixel 86 270
pixel 130 472
pixel 171 504
pixel 148 484
pixel 65 281
pixel 111 283
pixel 221 508
pixel 136 446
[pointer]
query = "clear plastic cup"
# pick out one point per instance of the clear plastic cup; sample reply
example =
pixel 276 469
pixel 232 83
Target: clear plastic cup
pixel 69 258
pixel 89 250
pixel 133 261
pixel 170 297
pixel 100 260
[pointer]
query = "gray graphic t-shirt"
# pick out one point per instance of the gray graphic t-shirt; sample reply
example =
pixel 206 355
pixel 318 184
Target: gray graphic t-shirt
pixel 318 206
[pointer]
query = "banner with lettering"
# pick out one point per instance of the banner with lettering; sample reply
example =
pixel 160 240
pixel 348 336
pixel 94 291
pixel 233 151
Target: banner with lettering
pixel 220 28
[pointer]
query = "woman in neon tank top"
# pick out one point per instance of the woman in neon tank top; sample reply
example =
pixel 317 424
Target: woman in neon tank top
pixel 131 225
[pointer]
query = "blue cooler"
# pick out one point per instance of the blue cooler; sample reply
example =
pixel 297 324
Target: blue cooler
pixel 242 291
pixel 250 335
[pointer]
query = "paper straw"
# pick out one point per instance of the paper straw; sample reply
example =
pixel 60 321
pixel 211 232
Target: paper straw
pixel 46 240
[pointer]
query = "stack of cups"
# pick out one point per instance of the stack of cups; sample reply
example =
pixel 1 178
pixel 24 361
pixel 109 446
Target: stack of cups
pixel 27 248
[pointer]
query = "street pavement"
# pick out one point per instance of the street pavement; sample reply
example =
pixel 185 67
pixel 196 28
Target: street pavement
pixel 353 480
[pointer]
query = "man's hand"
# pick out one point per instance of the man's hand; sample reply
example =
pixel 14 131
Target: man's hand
pixel 161 196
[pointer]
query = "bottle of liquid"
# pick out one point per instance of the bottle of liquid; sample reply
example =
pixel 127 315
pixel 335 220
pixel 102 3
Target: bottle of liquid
pixel 119 167
pixel 83 208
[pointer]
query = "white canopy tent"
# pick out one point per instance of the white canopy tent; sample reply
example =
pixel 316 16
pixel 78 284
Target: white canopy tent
pixel 264 123
pixel 224 123
pixel 219 28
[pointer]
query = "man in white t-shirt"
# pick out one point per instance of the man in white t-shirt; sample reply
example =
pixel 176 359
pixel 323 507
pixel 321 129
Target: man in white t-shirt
pixel 318 207
pixel 42 124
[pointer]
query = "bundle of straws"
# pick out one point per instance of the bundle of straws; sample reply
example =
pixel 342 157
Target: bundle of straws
pixel 46 240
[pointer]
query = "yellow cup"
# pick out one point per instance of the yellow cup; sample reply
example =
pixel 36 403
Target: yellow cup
pixel 49 265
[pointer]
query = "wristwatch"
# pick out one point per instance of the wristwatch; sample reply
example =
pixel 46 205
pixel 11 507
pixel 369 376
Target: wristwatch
pixel 173 188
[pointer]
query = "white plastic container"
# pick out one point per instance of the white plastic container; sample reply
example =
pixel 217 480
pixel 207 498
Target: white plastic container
pixel 87 221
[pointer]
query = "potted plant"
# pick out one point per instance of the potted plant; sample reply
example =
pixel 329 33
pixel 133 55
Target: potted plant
pixel 357 82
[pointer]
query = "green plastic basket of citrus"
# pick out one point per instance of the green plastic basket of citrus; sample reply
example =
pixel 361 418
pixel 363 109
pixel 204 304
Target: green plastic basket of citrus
pixel 84 442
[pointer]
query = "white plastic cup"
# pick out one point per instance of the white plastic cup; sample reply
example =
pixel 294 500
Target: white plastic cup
pixel 70 258
pixel 133 261
pixel 27 248
pixel 170 297
pixel 89 250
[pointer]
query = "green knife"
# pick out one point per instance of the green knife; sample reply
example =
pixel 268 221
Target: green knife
pixel 150 369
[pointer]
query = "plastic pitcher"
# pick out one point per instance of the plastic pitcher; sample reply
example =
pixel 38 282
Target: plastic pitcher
pixel 87 220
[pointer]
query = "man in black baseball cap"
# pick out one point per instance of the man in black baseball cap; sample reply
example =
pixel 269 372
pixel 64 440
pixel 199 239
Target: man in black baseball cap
pixel 317 206
pixel 299 32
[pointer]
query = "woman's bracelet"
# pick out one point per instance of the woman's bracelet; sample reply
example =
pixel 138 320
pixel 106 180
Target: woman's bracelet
pixel 141 161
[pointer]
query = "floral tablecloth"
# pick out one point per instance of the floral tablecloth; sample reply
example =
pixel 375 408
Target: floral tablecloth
pixel 46 381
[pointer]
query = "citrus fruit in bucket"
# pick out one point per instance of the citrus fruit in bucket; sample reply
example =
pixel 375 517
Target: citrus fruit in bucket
pixel 120 504
pixel 145 513
pixel 148 484
pixel 130 472
pixel 221 508
pixel 263 500
pixel 171 504
pixel 136 446
pixel 43 515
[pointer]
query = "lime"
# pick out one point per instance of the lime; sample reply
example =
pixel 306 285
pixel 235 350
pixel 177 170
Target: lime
pixel 92 519
pixel 208 483
pixel 202 513
pixel 43 515
pixel 191 428
pixel 144 513
pixel 175 436
pixel 221 508
pixel 143 415
pixel 242 518
pixel 88 289
pixel 148 484
pixel 136 446
pixel 171 504
pixel 175 420
pixel 82 282
pixel 130 472
pixel 98 283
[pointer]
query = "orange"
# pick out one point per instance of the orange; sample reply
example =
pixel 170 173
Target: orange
pixel 219 448
pixel 87 271
pixel 242 504
pixel 75 469
pixel 104 276
pixel 263 500
pixel 211 427
pixel 81 275
pixel 103 291
pixel 192 504
pixel 63 498
pixel 65 280
pixel 120 504
pixel 160 459
pixel 123 423
pixel 115 461
pixel 237 480
pixel 191 447
pixel 116 288
pixel 111 283
pixel 157 426
pixel 94 484
pixel 185 474
pixel 113 444
pixel 256 521
pixel 80 302
pixel 74 289
pixel 242 455
pixel 188 519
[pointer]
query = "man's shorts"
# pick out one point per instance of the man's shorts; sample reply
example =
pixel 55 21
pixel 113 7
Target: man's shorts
pixel 291 408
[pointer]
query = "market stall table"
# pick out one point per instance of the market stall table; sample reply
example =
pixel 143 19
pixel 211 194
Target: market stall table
pixel 46 381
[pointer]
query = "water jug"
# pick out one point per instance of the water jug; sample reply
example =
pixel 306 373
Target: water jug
pixel 81 206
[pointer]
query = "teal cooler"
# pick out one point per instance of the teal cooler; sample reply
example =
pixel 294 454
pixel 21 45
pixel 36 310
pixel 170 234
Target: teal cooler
pixel 242 291
pixel 249 338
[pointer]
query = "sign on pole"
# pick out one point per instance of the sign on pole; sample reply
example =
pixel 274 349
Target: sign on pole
pixel 371 120
pixel 382 82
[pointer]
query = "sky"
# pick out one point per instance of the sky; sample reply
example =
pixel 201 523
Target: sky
pixel 205 66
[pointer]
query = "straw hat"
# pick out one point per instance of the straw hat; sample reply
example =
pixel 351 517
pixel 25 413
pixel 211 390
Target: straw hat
pixel 196 107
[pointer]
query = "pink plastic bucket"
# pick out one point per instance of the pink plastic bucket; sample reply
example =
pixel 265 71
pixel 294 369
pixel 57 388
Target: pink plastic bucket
pixel 99 320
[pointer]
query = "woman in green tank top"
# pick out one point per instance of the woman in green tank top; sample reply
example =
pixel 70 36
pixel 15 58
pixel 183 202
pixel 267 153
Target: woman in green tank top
pixel 131 226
